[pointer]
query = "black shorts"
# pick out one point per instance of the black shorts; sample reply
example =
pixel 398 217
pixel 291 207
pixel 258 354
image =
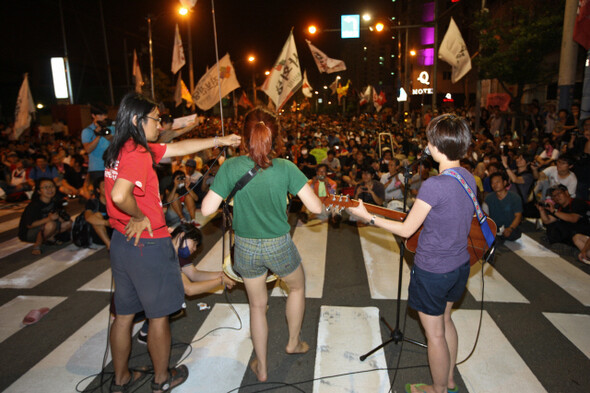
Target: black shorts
pixel 429 292
pixel 147 276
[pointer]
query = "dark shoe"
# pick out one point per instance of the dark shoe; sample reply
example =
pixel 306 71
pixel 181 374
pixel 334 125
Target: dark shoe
pixel 135 378
pixel 176 376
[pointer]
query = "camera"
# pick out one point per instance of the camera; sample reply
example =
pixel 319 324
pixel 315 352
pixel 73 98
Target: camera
pixel 181 178
pixel 62 214
pixel 104 127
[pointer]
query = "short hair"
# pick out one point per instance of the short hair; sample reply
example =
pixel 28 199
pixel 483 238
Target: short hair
pixel 187 231
pixel 98 109
pixel 321 166
pixel 567 158
pixel 557 187
pixel 502 174
pixel 450 134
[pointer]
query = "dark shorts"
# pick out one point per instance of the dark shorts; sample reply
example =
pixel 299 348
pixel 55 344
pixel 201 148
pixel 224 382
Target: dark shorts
pixel 31 236
pixel 147 277
pixel 430 292
pixel 254 257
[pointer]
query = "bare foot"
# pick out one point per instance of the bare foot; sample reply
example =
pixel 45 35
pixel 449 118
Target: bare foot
pixel 254 365
pixel 301 347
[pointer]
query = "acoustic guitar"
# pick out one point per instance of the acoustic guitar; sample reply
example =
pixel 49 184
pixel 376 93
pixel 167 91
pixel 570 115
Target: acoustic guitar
pixel 476 242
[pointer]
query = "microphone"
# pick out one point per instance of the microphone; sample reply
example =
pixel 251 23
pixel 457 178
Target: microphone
pixel 425 154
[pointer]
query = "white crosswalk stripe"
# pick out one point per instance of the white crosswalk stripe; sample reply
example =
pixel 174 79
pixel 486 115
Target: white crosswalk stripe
pixel 46 267
pixel 495 366
pixel 554 267
pixel 575 327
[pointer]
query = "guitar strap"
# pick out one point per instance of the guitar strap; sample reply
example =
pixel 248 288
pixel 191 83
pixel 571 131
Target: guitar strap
pixel 481 217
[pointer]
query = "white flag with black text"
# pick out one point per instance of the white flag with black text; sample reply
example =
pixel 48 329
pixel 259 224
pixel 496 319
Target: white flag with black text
pixel 285 76
pixel 177 52
pixel 206 92
pixel 325 63
pixel 454 51
pixel 25 107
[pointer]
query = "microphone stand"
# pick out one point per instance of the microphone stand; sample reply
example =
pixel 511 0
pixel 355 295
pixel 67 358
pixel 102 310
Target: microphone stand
pixel 396 334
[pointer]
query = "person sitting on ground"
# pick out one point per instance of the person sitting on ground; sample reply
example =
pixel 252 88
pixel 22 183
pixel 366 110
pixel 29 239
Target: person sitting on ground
pixel 548 155
pixel 332 162
pixel 504 207
pixel 74 178
pixel 186 238
pixel 565 216
pixel 17 182
pixel 42 170
pixel 96 215
pixel 44 219
pixel 370 190
pixel 322 186
pixel 180 198
pixel 393 181
pixel 560 173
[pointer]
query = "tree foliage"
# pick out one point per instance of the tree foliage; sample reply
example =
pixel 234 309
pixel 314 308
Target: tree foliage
pixel 516 38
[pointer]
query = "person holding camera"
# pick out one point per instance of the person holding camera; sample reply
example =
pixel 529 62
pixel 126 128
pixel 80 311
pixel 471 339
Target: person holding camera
pixel 181 199
pixel 44 219
pixel 369 190
pixel 564 216
pixel 96 138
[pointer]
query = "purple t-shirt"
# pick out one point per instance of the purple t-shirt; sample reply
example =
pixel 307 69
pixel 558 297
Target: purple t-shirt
pixel 442 245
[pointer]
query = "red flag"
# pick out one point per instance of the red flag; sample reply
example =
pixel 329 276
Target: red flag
pixel 244 101
pixel 582 26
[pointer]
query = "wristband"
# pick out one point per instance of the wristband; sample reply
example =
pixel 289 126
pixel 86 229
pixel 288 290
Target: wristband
pixel 372 222
pixel 215 141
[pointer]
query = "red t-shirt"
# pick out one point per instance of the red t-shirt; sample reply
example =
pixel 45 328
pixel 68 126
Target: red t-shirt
pixel 135 165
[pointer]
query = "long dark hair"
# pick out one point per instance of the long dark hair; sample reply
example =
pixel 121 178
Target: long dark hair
pixel 132 105
pixel 261 136
pixel 187 231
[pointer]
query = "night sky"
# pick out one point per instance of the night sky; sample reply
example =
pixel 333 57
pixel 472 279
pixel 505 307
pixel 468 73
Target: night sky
pixel 31 34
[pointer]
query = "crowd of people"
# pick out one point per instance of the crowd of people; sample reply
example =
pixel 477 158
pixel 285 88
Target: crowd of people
pixel 541 173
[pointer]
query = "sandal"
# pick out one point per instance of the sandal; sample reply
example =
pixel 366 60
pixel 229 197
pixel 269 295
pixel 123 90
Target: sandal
pixel 418 386
pixel 36 250
pixel 176 376
pixel 126 387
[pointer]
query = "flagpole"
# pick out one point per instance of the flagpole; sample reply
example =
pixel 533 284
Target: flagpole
pixel 106 51
pixel 149 20
pixel 218 70
pixel 68 72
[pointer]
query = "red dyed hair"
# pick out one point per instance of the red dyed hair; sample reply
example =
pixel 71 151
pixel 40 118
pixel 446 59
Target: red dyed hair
pixel 261 136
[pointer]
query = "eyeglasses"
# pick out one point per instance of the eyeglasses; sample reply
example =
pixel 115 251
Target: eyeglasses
pixel 48 188
pixel 156 119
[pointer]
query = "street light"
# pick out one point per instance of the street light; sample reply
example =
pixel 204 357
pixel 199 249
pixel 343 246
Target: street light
pixel 251 60
pixel 412 52
pixel 185 12
pixel 312 29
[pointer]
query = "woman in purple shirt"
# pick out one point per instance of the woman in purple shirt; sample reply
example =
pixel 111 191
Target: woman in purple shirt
pixel 441 264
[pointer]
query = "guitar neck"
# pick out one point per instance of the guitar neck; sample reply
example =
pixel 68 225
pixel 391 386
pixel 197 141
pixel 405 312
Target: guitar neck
pixel 382 211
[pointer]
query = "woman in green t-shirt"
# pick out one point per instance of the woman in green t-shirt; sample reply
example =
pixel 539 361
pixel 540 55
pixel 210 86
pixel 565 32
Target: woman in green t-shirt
pixel 262 233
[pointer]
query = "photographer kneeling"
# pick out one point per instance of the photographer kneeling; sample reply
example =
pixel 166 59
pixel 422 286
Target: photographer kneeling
pixel 181 199
pixel 44 219
pixel 565 217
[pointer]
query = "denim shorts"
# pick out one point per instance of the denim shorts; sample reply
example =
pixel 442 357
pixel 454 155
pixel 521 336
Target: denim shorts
pixel 254 257
pixel 429 292
pixel 147 276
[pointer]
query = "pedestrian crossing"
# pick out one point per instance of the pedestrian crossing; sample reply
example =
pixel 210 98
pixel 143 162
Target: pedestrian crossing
pixel 339 329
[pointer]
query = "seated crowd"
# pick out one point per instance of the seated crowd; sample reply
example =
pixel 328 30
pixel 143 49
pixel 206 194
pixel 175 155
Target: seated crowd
pixel 541 174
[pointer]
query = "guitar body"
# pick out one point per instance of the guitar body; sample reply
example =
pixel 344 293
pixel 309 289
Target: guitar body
pixel 476 242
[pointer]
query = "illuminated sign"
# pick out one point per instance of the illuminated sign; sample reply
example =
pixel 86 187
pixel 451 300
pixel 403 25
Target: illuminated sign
pixel 350 26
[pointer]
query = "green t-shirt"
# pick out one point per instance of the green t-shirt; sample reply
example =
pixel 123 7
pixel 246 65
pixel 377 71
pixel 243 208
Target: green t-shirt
pixel 260 208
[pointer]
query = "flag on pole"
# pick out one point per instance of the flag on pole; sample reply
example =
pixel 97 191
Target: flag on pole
pixel 206 92
pixel 137 73
pixel 582 26
pixel 453 51
pixel 25 108
pixel 244 101
pixel 366 95
pixel 324 63
pixel 177 52
pixel 182 93
pixel 334 85
pixel 342 90
pixel 306 88
pixel 285 76
pixel 378 100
